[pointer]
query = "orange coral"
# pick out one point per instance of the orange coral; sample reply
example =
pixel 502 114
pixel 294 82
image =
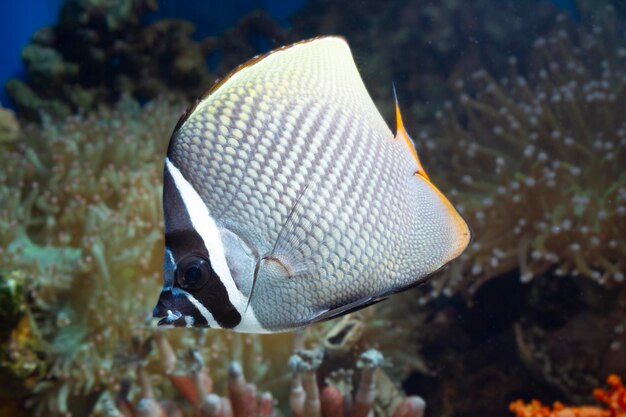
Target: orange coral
pixel 614 398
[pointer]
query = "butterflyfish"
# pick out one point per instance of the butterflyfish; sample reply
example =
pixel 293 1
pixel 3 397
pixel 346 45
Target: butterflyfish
pixel 288 200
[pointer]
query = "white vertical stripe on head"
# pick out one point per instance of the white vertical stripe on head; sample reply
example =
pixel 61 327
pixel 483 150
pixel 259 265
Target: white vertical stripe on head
pixel 198 305
pixel 205 226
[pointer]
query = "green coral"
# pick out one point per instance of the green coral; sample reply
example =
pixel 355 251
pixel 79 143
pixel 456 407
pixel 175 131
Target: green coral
pixel 45 64
pixel 9 126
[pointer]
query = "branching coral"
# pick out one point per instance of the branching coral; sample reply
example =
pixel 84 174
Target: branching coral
pixel 537 161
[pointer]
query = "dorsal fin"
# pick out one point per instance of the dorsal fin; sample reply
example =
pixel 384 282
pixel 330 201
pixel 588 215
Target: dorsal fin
pixel 403 135
pixel 321 67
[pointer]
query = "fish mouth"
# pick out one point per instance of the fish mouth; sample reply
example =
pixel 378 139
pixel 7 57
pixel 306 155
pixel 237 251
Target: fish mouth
pixel 168 310
pixel 175 310
pixel 169 319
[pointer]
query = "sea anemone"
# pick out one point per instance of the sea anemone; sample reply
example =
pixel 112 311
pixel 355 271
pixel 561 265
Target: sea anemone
pixel 419 44
pixel 81 223
pixel 536 162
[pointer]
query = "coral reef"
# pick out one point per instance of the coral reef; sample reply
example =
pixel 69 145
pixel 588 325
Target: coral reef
pixel 536 161
pixel 614 399
pixel 81 237
pixel 100 50
pixel 534 151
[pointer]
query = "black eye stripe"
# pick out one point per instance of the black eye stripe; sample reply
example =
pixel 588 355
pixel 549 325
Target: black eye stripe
pixel 194 271
pixel 180 236
pixel 182 240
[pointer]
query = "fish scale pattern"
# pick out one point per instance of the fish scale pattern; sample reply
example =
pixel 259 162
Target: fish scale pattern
pixel 293 148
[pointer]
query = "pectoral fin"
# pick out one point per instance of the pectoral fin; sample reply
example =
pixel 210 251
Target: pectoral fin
pixel 344 309
pixel 358 304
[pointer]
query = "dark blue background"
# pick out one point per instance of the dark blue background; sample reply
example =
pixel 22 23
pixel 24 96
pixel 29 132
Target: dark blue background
pixel 20 18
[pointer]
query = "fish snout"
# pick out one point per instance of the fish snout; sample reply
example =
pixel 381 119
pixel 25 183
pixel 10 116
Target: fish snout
pixel 172 310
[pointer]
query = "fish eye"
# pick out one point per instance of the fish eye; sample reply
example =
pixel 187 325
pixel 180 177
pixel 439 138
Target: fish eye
pixel 192 272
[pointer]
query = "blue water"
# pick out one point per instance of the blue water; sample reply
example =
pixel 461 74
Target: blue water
pixel 20 19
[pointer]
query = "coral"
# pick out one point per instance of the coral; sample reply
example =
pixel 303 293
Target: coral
pixel 80 231
pixel 571 353
pixel 420 44
pixel 195 391
pixel 101 50
pixel 81 62
pixel 9 126
pixel 98 51
pixel 536 162
pixel 614 398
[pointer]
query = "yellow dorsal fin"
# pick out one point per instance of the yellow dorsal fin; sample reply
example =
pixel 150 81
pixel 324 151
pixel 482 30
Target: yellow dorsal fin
pixel 403 135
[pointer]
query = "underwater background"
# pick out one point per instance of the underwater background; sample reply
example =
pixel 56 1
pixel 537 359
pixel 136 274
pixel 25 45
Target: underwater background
pixel 517 108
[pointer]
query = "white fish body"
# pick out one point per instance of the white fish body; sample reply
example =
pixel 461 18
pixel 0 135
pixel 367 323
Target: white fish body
pixel 288 200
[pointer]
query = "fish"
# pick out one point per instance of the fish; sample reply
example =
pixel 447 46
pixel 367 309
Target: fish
pixel 288 200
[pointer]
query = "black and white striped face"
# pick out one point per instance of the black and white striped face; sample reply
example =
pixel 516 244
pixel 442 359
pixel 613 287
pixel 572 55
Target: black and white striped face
pixel 198 288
